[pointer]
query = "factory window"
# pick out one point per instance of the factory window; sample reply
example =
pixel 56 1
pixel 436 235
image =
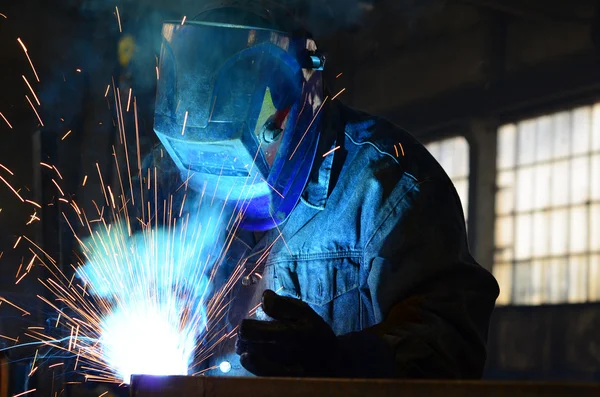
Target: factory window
pixel 453 155
pixel 547 237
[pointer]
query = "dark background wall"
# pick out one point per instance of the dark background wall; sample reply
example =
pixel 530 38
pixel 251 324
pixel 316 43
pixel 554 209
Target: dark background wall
pixel 438 68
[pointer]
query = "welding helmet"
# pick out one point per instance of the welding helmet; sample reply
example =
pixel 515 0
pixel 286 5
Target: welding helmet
pixel 238 109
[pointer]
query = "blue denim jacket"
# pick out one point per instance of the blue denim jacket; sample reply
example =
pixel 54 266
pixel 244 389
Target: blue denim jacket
pixel 377 243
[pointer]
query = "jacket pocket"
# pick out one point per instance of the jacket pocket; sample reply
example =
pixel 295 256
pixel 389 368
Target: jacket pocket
pixel 318 281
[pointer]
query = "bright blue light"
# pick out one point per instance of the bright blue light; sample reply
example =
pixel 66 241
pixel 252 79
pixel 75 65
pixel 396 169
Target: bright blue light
pixel 225 366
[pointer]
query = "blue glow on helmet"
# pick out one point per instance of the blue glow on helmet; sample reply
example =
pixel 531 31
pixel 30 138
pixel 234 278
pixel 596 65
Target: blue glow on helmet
pixel 238 110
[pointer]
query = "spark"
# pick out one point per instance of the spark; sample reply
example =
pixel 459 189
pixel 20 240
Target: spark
pixel 157 74
pixel 119 19
pixel 15 306
pixel 401 148
pixel 11 188
pixel 331 151
pixel 78 70
pixel 29 59
pixel 307 129
pixel 84 180
pixel 183 20
pixel 9 338
pixel 6 121
pixel 338 94
pixel 57 172
pixel 24 393
pixel 6 169
pixel 107 90
pixel 33 203
pixel 129 99
pixel 275 190
pixel 18 241
pixel 3 16
pixel 339 75
pixel 396 149
pixel 31 89
pixel 58 187
pixel 55 365
pixel 103 394
pixel 66 135
pixel 46 165
pixel 35 111
pixel 184 123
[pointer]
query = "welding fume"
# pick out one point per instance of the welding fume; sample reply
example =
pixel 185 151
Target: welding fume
pixel 346 253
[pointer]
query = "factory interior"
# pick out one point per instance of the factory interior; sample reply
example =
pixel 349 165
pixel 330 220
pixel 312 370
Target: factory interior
pixel 504 94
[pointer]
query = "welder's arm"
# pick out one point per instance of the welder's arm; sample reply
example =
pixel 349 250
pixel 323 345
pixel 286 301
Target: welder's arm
pixel 435 299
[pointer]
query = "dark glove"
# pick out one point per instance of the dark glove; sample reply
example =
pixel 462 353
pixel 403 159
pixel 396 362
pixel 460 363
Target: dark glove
pixel 300 343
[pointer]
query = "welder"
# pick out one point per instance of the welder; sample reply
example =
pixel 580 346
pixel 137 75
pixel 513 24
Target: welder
pixel 352 236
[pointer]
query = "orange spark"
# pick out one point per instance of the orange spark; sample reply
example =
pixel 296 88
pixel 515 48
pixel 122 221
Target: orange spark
pixel 78 70
pixel 29 59
pixel 183 20
pixel 58 173
pixel 338 94
pixel 66 135
pixel 58 187
pixel 119 19
pixel 275 190
pixel 46 165
pixel 31 89
pixel 396 149
pixel 310 125
pixel 18 241
pixel 338 76
pixel 11 188
pixel 6 121
pixel 3 16
pixel 331 151
pixel 7 170
pixel 25 392
pixel 34 203
pixel 84 180
pixel 129 99
pixel 9 338
pixel 35 111
pixel 401 148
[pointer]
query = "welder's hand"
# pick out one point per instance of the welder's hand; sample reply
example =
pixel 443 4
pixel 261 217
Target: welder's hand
pixel 297 343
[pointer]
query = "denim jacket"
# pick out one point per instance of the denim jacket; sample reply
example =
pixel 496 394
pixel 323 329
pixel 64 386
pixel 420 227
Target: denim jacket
pixel 378 243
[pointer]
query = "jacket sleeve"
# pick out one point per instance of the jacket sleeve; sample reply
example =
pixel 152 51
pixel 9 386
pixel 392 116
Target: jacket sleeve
pixel 434 299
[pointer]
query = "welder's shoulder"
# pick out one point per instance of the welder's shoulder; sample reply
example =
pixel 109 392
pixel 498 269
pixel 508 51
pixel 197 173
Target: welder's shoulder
pixel 381 140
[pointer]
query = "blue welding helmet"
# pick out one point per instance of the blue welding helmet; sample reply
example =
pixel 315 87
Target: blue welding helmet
pixel 238 110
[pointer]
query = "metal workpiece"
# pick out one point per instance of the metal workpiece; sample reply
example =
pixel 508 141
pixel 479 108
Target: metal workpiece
pixel 204 386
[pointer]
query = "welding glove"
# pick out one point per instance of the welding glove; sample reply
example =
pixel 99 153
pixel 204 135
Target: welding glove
pixel 298 342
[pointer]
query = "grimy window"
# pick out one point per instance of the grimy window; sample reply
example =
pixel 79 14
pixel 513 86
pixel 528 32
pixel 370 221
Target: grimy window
pixel 547 233
pixel 453 156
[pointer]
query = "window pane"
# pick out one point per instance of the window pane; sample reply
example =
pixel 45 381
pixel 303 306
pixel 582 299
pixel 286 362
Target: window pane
pixel 461 157
pixel 596 128
pixel 541 183
pixel 578 231
pixel 504 232
pixel 523 237
pixel 447 156
pixel 523 283
pixel 505 199
pixel 434 149
pixel 525 189
pixel 506 146
pixel 577 279
pixel 560 183
pixel 562 135
pixel 581 130
pixel 580 177
pixel 544 138
pixel 541 235
pixel 526 148
pixel 594 278
pixel 595 228
pixel 556 281
pixel 595 185
pixel 537 291
pixel 558 232
pixel 503 274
